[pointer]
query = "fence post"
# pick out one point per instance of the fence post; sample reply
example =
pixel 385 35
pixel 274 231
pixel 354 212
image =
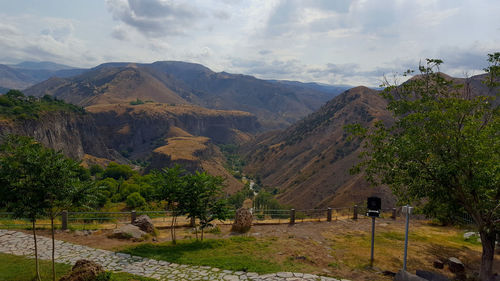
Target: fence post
pixel 355 216
pixel 133 216
pixel 64 220
pixel 393 214
pixel 329 214
pixel 292 216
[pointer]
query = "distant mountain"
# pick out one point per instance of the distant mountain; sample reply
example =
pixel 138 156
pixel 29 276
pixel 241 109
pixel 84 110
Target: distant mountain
pixel 45 65
pixel 333 90
pixel 25 74
pixel 276 105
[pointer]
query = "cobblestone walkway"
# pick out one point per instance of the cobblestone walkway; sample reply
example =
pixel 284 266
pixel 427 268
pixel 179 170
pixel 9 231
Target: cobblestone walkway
pixel 18 243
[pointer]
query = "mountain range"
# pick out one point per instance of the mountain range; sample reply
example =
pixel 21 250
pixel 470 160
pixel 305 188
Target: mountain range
pixel 291 134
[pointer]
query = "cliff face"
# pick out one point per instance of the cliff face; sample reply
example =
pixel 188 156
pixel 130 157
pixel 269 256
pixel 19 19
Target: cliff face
pixel 73 134
pixel 138 130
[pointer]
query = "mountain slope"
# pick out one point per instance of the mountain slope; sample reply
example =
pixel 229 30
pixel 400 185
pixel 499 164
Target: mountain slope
pixel 310 161
pixel 275 105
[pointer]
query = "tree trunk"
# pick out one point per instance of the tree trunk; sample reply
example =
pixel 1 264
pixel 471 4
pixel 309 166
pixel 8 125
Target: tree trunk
pixel 202 230
pixel 488 242
pixel 37 277
pixel 172 229
pixel 53 249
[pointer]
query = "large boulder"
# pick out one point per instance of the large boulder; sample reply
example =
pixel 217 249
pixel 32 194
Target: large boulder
pixel 84 270
pixel 242 221
pixel 144 223
pixel 128 231
pixel 406 276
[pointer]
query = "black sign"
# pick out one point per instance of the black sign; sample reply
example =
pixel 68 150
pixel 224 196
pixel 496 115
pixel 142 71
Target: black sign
pixel 374 204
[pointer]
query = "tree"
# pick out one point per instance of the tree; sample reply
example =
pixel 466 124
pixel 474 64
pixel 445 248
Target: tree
pixel 443 149
pixel 135 200
pixel 21 160
pixel 39 182
pixel 202 199
pixel 170 183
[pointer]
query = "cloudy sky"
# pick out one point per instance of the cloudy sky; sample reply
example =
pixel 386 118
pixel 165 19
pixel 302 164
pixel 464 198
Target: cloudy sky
pixel 331 41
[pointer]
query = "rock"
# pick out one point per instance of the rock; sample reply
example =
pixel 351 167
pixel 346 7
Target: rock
pixel 388 273
pixel 431 276
pixel 406 276
pixel 438 264
pixel 455 265
pixel 84 270
pixel 242 221
pixel 468 235
pixel 144 223
pixel 128 231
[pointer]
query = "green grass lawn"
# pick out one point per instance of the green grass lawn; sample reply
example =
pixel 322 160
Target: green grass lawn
pixel 236 253
pixel 18 268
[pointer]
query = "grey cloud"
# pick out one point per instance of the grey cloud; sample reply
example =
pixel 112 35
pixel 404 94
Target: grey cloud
pixel 119 33
pixel 222 15
pixel 154 17
pixel 264 68
pixel 265 52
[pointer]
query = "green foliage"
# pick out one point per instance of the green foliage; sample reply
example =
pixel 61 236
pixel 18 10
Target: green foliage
pixel 135 200
pixel 117 171
pixel 236 200
pixel 136 102
pixel 14 104
pixel 96 170
pixel 266 200
pixel 234 162
pixel 202 199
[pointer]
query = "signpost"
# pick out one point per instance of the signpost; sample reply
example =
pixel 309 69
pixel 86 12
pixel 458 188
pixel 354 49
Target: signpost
pixel 406 210
pixel 374 205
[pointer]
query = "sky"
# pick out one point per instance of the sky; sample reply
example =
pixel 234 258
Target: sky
pixel 355 42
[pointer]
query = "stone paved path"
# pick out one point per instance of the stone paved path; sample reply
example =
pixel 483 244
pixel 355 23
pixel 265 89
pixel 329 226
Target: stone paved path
pixel 18 243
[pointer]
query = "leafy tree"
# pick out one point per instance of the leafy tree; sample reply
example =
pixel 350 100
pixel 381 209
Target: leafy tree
pixel 202 199
pixel 443 149
pixel 170 183
pixel 39 181
pixel 135 200
pixel 21 160
pixel 117 171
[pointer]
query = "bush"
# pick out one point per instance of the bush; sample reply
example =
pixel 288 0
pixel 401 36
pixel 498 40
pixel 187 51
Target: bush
pixel 135 200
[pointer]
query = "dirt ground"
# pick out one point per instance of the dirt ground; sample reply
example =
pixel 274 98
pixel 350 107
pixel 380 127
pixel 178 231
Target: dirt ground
pixel 337 248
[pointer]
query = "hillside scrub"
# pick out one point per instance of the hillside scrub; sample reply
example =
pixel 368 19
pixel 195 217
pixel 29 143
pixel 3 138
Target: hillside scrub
pixel 14 104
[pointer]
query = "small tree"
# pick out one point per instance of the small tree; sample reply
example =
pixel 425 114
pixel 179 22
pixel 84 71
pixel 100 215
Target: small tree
pixel 53 179
pixel 22 190
pixel 202 199
pixel 170 183
pixel 443 149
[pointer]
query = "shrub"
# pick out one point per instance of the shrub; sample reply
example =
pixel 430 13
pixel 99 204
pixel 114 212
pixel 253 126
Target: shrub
pixel 135 200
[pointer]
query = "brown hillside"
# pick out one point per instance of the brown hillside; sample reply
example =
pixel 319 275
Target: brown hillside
pixel 194 154
pixel 310 161
pixel 108 85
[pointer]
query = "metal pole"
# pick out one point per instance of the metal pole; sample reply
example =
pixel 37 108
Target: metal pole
pixel 373 241
pixel 407 208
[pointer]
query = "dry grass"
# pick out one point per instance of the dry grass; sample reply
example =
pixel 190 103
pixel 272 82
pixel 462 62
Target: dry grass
pixel 184 148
